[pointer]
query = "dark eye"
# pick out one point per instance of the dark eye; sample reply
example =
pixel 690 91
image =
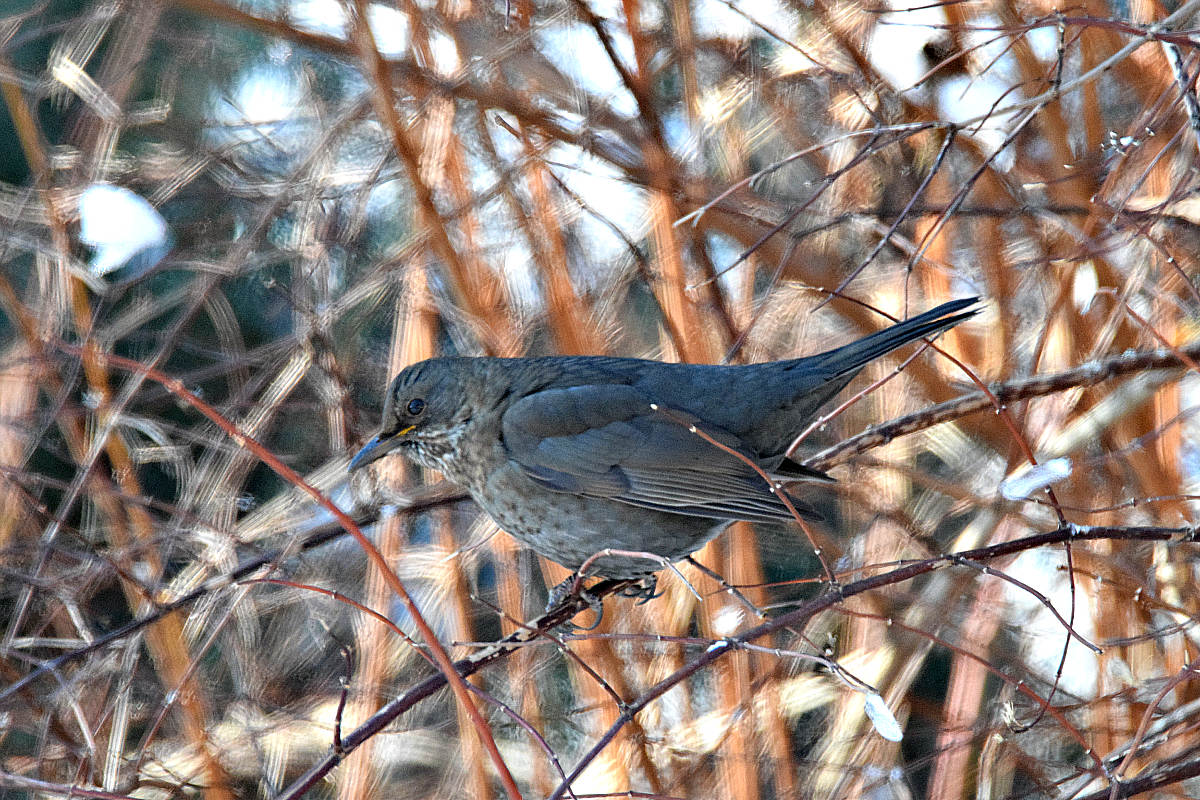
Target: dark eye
pixel 416 406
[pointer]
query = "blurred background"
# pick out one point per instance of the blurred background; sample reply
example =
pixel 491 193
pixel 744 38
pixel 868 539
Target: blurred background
pixel 280 204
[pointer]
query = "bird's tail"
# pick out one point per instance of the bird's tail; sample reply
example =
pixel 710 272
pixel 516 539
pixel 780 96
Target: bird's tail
pixel 854 355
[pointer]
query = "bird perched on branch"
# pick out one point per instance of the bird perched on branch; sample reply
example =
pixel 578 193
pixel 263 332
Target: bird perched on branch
pixel 575 455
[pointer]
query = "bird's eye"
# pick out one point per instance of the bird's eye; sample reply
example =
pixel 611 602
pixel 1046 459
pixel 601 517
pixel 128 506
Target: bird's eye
pixel 416 406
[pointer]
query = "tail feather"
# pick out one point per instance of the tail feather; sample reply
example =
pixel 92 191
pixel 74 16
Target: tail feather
pixel 853 356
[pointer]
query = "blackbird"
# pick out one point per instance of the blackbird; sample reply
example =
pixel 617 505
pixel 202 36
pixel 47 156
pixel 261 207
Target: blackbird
pixel 573 455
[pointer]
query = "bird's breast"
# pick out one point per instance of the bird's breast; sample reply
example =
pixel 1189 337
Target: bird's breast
pixel 570 528
pixel 465 455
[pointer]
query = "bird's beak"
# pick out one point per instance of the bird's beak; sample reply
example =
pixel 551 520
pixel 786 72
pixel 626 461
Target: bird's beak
pixel 380 445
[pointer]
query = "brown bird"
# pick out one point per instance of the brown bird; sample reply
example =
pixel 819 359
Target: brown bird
pixel 573 455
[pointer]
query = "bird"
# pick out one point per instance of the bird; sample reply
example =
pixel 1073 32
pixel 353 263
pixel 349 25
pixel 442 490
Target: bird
pixel 576 456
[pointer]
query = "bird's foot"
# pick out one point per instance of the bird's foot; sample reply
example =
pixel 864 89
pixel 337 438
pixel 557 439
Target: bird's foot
pixel 573 587
pixel 645 590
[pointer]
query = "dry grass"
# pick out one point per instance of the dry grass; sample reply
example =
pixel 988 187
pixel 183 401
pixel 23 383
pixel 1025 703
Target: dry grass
pixel 703 182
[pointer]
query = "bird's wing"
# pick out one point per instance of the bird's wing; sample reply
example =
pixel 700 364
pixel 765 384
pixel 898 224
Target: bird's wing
pixel 606 441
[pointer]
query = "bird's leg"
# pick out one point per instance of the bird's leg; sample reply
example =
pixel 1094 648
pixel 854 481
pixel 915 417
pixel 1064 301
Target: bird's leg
pixel 646 589
pixel 573 586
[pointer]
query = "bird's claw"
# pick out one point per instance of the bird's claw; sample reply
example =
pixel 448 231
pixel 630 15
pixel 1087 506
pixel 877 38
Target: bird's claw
pixel 644 590
pixel 573 587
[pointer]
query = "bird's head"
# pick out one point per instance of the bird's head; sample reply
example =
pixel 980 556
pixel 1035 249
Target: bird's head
pixel 425 413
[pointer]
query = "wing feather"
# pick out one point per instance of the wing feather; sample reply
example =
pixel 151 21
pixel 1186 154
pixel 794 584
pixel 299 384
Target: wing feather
pixel 606 441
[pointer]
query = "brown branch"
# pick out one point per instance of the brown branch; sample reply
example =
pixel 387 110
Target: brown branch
pixel 1089 374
